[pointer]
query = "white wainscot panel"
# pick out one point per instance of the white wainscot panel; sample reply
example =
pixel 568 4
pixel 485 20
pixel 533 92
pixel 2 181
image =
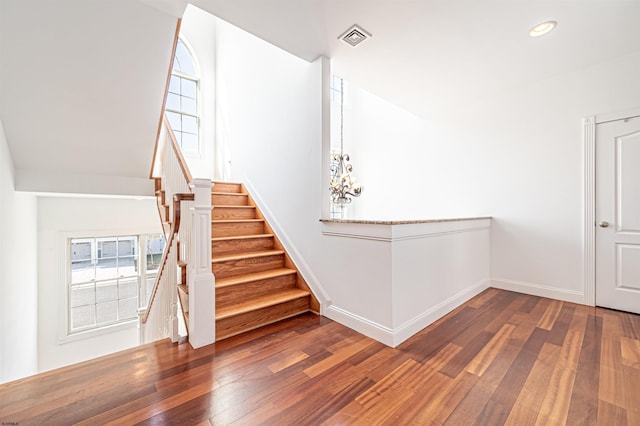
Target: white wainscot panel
pixel 627 199
pixel 434 267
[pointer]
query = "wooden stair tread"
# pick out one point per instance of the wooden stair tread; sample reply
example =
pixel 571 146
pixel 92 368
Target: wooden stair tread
pixel 233 212
pixel 233 206
pixel 225 221
pixel 239 194
pixel 256 276
pixel 261 302
pixel 246 255
pixel 241 237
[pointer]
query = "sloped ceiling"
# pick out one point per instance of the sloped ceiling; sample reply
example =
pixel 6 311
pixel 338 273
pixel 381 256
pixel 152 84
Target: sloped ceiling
pixel 82 83
pixel 431 55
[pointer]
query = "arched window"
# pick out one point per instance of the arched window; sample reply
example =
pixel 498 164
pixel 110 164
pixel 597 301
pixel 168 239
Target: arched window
pixel 182 100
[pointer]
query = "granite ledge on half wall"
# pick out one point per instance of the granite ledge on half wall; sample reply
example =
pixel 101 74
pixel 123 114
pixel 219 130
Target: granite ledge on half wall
pixel 400 222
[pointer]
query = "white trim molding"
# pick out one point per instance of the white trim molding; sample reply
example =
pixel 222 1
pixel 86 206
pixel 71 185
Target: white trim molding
pixel 325 111
pixel 431 315
pixel 392 231
pixel 539 290
pixel 589 136
pixel 360 324
pixel 605 118
pixel 395 336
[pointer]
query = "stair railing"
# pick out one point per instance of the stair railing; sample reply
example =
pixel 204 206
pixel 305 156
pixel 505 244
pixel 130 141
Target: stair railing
pixel 187 243
pixel 160 318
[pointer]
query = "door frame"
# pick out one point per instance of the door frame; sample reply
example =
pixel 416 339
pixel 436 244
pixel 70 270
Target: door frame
pixel 589 124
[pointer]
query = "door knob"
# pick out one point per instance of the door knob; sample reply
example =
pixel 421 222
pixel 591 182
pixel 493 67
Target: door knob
pixel 604 224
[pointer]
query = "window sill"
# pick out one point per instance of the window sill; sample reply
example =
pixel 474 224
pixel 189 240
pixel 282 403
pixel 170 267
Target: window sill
pixel 82 335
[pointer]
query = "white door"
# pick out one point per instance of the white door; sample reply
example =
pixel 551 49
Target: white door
pixel 618 214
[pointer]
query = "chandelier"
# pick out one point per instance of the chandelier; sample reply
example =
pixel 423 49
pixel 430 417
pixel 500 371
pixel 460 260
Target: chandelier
pixel 342 184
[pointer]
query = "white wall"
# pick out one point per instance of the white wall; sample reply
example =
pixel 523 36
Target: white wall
pixel 18 275
pixel 269 105
pixel 199 30
pixel 385 138
pixel 537 236
pixel 517 157
pixel 58 219
pixel 436 268
pixel 272 105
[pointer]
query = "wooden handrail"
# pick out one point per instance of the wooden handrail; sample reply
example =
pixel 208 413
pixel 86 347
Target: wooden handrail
pixel 175 227
pixel 164 99
pixel 177 198
pixel 176 148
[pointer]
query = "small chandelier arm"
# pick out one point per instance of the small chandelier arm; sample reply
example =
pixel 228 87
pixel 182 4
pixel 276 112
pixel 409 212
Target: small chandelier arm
pixel 342 185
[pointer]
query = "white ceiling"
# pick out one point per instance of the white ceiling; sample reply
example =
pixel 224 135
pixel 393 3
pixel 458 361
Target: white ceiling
pixel 430 55
pixel 81 84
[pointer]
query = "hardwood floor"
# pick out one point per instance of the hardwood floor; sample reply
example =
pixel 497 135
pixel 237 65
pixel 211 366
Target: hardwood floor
pixel 502 358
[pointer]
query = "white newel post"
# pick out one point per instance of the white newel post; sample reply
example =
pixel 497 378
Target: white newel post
pixel 202 311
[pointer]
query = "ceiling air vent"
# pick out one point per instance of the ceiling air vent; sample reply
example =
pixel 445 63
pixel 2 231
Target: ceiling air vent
pixel 354 36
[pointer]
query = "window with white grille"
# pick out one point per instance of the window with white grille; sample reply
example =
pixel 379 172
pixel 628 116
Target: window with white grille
pixel 109 278
pixel 182 100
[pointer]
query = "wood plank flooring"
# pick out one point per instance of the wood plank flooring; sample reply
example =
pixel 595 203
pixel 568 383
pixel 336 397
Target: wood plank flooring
pixel 501 358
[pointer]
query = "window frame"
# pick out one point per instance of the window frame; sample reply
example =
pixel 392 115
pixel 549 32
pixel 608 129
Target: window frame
pixel 196 79
pixel 142 236
pixel 95 283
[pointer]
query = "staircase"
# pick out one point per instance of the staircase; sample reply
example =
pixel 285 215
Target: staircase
pixel 256 283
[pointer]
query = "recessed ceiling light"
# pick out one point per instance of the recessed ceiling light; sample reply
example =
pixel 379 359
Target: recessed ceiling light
pixel 542 29
pixel 354 36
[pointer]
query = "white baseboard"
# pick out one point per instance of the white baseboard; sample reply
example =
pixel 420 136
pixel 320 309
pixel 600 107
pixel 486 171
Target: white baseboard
pixel 411 327
pixel 360 324
pixel 540 290
pixel 393 337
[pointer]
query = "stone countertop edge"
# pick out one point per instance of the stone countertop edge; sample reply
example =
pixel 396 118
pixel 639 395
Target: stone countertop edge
pixel 399 222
